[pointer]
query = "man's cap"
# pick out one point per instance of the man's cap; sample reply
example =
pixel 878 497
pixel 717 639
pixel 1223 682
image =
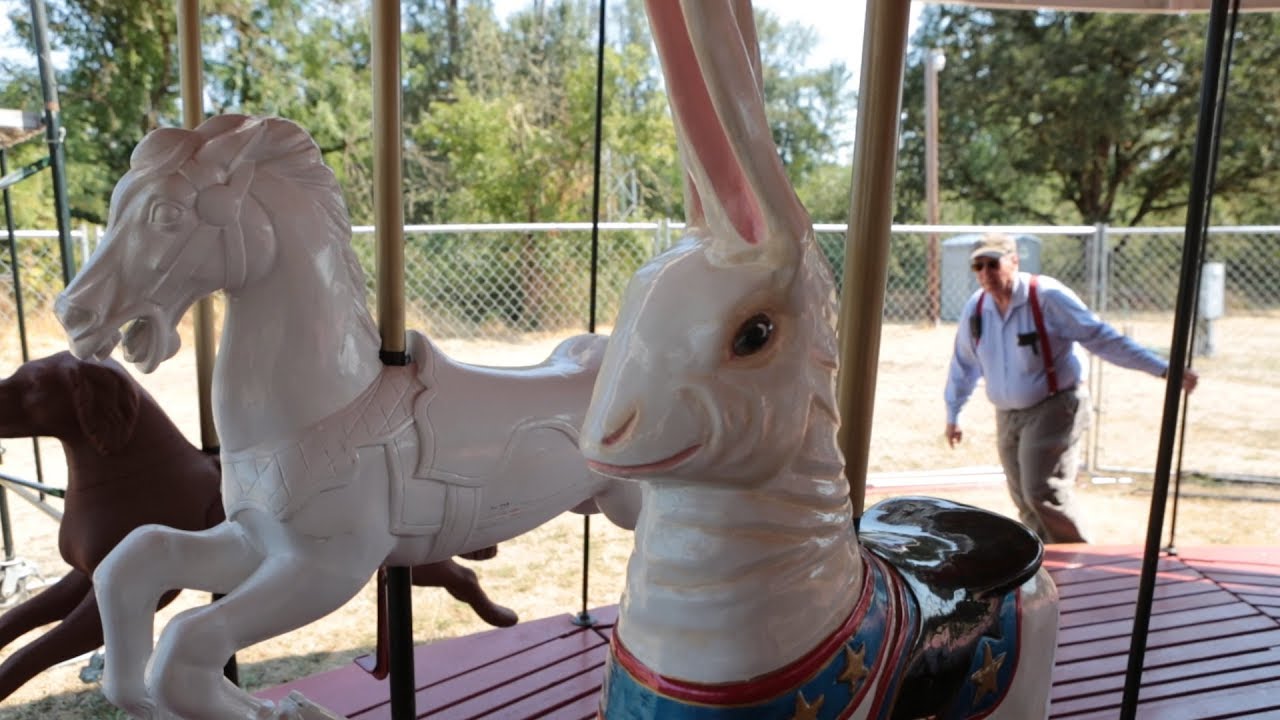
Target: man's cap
pixel 993 245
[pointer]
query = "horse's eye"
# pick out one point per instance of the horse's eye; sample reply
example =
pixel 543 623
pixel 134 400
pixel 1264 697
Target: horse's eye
pixel 165 213
pixel 753 335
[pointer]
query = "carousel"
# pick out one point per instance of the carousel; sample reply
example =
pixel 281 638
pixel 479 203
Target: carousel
pixel 733 440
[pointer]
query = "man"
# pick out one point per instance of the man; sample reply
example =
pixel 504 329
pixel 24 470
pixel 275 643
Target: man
pixel 1023 333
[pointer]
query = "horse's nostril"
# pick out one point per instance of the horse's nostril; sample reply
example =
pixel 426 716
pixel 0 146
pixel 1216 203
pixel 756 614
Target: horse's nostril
pixel 613 437
pixel 73 316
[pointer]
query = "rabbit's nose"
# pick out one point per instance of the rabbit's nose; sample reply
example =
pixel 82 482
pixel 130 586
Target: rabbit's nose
pixel 612 438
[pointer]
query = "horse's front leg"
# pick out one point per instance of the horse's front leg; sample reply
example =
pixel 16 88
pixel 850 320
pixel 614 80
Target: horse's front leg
pixel 300 581
pixel 130 582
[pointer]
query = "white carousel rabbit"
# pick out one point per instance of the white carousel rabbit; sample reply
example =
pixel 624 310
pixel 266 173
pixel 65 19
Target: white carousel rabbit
pixel 747 586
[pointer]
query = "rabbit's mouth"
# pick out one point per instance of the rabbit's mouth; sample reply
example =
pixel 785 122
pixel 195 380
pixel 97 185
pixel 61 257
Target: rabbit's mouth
pixel 643 469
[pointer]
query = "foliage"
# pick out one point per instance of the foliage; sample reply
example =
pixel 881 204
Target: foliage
pixel 498 114
pixel 1083 117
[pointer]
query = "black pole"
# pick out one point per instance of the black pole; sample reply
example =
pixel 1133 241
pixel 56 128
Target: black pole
pixel 399 595
pixel 12 235
pixel 1183 316
pixel 584 617
pixel 1172 548
pixel 53 135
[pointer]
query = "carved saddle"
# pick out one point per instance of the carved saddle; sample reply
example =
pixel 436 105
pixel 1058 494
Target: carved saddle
pixel 963 566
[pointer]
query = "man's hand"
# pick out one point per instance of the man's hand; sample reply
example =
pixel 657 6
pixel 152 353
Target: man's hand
pixel 954 434
pixel 1189 379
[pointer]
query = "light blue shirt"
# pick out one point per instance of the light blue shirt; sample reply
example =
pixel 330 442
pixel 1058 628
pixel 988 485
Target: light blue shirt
pixel 1014 369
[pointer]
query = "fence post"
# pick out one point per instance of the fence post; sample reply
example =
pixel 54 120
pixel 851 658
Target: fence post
pixel 1097 283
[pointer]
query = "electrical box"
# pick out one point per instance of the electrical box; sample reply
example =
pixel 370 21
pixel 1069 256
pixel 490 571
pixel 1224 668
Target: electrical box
pixel 1213 290
pixel 958 280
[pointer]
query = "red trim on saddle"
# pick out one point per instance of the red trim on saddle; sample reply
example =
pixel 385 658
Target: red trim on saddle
pixel 761 688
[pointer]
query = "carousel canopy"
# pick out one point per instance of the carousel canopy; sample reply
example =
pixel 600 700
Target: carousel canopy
pixel 1133 6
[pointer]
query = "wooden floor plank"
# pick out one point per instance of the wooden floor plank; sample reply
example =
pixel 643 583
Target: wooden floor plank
pixel 558 701
pixel 1211 705
pixel 1259 556
pixel 1057 557
pixel 1088 667
pixel 484 682
pixel 1126 581
pixel 1211 595
pixel 584 708
pixel 1161 619
pixel 537 693
pixel 1076 581
pixel 1254 590
pixel 1269 658
pixel 1213 649
pixel 1178 688
pixel 1129 597
pixel 1174 637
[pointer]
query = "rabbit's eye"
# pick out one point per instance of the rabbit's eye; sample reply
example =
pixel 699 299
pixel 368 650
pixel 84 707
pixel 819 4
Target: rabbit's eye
pixel 753 335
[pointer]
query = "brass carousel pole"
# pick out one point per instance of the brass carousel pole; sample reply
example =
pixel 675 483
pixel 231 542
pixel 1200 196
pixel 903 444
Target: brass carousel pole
pixel 875 154
pixel 190 57
pixel 388 209
pixel 192 115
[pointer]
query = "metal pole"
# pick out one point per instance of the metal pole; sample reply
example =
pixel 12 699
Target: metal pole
pixel 54 134
pixel 1178 347
pixel 584 618
pixel 388 209
pixel 1097 249
pixel 206 343
pixel 933 63
pixel 191 79
pixel 5 527
pixel 875 156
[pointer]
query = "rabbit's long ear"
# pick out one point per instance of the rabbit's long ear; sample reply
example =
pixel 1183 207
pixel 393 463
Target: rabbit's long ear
pixel 711 63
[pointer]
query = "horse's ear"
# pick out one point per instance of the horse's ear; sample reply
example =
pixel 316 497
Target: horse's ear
pixel 106 402
pixel 164 149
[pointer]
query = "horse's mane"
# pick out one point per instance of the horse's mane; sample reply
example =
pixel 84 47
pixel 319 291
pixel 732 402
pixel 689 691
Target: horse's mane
pixel 283 151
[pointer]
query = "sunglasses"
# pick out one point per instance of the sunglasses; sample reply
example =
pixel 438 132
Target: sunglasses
pixel 985 264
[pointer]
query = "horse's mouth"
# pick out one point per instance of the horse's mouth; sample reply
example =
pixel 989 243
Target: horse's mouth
pixel 643 469
pixel 95 344
pixel 148 342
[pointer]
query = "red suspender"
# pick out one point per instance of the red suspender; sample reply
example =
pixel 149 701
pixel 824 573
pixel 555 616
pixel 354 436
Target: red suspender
pixel 1045 349
pixel 1049 372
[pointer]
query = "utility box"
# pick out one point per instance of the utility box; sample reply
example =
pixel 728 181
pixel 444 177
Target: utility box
pixel 1212 305
pixel 1213 290
pixel 958 278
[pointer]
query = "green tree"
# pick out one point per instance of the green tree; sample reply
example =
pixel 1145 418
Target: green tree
pixel 119 83
pixel 1081 117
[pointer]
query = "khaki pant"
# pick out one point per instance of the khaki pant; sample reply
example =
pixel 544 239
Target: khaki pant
pixel 1040 451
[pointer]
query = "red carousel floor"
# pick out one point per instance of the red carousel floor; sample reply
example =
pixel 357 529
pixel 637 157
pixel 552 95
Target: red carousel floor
pixel 1213 649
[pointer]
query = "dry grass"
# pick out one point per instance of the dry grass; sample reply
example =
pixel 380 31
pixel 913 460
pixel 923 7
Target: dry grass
pixel 1233 421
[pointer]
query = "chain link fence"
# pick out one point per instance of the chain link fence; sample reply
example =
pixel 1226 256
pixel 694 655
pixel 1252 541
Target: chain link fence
pixel 508 283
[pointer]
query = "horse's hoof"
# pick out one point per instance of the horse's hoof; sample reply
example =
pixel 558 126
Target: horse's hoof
pixel 297 707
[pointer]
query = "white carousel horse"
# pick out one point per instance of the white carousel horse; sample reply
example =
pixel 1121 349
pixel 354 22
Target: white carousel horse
pixel 333 464
pixel 749 593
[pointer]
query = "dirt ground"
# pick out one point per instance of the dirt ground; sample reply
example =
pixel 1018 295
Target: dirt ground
pixel 1232 425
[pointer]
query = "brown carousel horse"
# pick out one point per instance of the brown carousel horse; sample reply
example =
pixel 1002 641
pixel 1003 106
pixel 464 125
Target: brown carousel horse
pixel 127 465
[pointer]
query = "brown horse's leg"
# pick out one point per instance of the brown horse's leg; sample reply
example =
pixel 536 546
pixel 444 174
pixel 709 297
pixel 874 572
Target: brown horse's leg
pixel 462 584
pixel 78 634
pixel 49 605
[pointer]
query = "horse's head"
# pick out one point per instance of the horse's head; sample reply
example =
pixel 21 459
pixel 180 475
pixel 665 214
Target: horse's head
pixel 191 216
pixel 60 396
